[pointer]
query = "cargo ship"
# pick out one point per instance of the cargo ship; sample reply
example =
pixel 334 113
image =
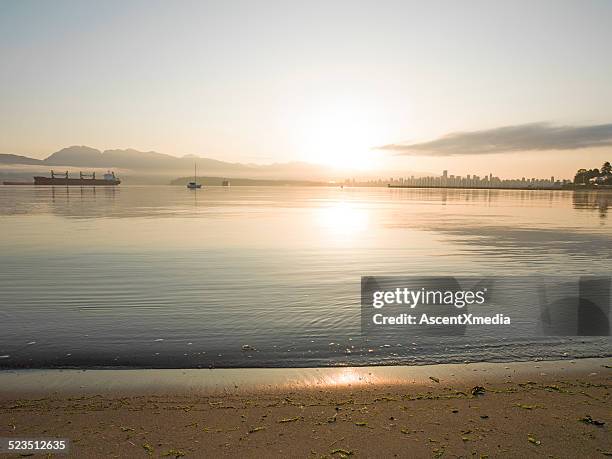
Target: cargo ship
pixel 108 179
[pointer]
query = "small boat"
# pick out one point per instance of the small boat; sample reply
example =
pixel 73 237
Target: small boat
pixel 194 185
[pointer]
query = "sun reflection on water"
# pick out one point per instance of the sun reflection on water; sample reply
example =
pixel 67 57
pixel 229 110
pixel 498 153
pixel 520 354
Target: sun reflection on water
pixel 346 377
pixel 342 218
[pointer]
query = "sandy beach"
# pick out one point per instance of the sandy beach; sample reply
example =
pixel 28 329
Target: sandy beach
pixel 529 409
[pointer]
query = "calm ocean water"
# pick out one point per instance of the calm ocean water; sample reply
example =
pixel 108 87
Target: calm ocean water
pixel 166 277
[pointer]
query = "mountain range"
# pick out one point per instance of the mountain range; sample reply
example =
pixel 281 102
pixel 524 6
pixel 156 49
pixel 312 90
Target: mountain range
pixel 151 166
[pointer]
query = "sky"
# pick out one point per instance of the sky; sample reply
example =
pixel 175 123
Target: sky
pixel 372 86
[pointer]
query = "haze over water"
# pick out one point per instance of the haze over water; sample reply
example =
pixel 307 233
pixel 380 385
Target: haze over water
pixel 166 277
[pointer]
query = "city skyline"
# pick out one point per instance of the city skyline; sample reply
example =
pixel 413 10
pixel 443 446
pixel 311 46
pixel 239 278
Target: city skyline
pixel 445 180
pixel 476 181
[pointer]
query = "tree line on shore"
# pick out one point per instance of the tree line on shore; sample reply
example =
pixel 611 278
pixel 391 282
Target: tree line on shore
pixel 602 176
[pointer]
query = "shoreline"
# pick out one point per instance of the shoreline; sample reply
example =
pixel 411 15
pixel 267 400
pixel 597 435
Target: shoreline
pixel 9 183
pixel 557 409
pixel 603 188
pixel 37 382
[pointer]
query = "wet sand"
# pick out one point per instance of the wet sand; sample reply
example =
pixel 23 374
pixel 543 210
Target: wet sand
pixel 528 409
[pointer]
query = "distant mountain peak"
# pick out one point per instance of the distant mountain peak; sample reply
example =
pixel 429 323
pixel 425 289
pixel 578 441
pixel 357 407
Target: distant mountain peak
pixel 75 155
pixel 134 163
pixel 78 149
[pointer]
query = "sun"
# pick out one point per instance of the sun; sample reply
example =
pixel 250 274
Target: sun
pixel 340 136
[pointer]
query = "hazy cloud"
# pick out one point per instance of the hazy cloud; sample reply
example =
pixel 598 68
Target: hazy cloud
pixel 524 137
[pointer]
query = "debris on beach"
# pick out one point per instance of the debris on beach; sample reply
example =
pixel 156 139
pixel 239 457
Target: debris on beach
pixel 528 407
pixel 297 418
pixel 477 390
pixel 256 429
pixel 533 440
pixel 148 448
pixel 248 347
pixel 553 388
pixel 176 453
pixel 342 452
pixel 589 420
pixel 434 379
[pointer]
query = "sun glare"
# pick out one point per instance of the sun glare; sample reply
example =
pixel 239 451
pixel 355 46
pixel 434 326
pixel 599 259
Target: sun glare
pixel 341 137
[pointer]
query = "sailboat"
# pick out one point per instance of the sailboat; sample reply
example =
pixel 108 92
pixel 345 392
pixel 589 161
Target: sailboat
pixel 194 185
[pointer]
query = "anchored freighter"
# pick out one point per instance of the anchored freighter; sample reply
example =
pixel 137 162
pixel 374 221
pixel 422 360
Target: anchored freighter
pixel 108 179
